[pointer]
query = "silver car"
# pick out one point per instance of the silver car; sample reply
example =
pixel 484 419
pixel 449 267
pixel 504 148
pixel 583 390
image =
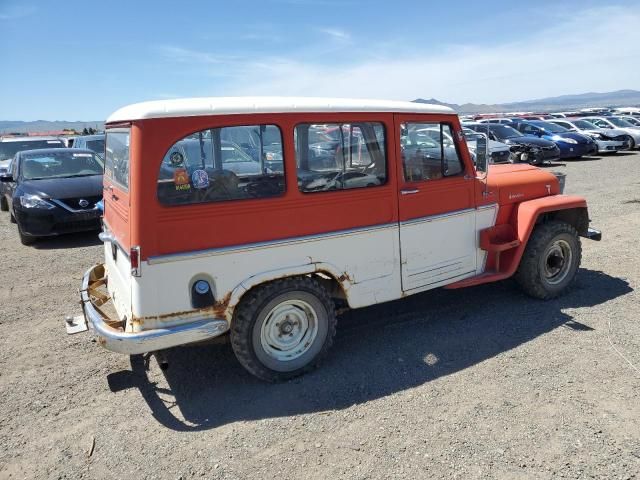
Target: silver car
pixel 608 140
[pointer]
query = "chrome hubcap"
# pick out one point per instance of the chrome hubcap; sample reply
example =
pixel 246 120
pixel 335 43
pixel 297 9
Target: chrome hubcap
pixel 558 259
pixel 289 330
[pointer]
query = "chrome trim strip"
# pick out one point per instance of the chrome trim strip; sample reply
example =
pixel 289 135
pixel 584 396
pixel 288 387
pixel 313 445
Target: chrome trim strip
pixel 61 204
pixel 147 340
pixel 273 243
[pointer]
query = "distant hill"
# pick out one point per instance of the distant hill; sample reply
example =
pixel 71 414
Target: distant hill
pixel 565 102
pixel 7 126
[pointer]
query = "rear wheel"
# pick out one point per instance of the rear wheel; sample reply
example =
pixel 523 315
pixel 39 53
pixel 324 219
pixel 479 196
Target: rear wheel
pixel 4 205
pixel 283 329
pixel 550 260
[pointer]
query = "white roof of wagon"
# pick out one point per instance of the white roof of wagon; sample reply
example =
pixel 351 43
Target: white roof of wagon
pixel 191 107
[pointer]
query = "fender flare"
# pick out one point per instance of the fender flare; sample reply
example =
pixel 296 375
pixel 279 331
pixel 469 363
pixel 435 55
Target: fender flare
pixel 527 214
pixel 247 284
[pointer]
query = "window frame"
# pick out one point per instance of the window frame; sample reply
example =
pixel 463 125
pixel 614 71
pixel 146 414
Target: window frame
pixel 456 143
pixel 283 174
pixel 124 188
pixel 340 124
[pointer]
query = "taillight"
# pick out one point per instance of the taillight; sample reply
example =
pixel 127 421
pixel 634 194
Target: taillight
pixel 134 256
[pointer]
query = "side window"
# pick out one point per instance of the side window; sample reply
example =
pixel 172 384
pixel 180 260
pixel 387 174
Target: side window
pixel 116 165
pixel 429 151
pixel 222 164
pixel 340 156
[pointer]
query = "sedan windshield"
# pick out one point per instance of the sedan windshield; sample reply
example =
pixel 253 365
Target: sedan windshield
pixel 618 122
pixel 504 132
pixel 62 164
pixel 584 125
pixel 9 149
pixel 550 127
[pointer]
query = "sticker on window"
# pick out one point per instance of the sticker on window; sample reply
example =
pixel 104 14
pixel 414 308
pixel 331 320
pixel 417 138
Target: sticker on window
pixel 200 179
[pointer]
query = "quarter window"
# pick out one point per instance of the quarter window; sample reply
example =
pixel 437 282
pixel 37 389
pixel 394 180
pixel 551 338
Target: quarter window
pixel 429 151
pixel 340 156
pixel 222 164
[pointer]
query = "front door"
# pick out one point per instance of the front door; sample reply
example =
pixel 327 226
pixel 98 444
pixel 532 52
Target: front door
pixel 436 204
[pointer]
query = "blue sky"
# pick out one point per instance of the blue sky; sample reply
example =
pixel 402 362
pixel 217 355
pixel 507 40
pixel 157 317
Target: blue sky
pixel 82 60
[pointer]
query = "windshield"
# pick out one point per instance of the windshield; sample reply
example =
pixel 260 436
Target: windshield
pixel 618 122
pixel 9 149
pixel 550 127
pixel 35 166
pixel 633 121
pixel 502 131
pixel 584 125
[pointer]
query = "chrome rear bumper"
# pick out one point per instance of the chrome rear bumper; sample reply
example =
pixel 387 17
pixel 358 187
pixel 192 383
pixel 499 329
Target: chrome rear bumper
pixel 131 343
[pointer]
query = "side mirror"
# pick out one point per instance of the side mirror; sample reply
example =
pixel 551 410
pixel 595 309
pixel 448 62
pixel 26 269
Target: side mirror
pixel 482 154
pixel 6 178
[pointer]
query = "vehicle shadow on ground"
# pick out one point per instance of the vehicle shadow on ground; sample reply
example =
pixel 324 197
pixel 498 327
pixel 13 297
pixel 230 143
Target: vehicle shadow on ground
pixel 378 351
pixel 71 240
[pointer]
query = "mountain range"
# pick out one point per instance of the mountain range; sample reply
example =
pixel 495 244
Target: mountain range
pixel 619 98
pixel 562 103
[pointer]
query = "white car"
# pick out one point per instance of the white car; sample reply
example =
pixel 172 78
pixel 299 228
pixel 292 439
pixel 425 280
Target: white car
pixel 635 121
pixel 619 124
pixel 498 151
pixel 504 121
pixel 608 140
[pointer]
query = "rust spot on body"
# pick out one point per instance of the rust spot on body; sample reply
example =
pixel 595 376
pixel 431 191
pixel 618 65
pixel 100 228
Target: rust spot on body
pixel 345 277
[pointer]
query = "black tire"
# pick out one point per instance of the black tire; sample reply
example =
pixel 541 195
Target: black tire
pixel 543 254
pixel 4 205
pixel 632 143
pixel 252 315
pixel 26 239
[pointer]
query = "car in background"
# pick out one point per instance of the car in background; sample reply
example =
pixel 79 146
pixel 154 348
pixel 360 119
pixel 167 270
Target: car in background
pixel 4 165
pixel 635 121
pixel 9 146
pixel 608 141
pixel 94 143
pixel 571 144
pixel 612 122
pixel 498 152
pixel 523 148
pixel 503 120
pixel 54 191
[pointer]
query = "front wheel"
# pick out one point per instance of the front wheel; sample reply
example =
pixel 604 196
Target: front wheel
pixel 284 328
pixel 550 260
pixel 4 205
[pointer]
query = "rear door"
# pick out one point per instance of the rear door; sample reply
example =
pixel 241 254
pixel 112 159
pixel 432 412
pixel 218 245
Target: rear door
pixel 116 184
pixel 436 204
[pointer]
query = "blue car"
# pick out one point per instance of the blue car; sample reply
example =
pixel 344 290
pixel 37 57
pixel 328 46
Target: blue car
pixel 571 144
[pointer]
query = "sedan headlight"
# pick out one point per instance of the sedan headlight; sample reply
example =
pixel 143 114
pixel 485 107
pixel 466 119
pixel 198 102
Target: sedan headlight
pixel 34 201
pixel 596 136
pixel 565 140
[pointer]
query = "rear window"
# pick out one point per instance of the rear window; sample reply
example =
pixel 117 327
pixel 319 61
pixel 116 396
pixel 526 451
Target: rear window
pixel 116 164
pixel 9 149
pixel 223 164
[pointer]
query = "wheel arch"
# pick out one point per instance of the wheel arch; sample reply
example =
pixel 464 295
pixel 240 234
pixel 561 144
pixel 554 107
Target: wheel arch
pixel 337 284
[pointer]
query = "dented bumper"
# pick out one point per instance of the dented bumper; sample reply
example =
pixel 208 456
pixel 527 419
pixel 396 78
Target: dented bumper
pixel 112 336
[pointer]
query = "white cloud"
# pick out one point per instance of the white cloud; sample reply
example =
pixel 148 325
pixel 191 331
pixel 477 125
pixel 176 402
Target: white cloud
pixel 335 33
pixel 597 49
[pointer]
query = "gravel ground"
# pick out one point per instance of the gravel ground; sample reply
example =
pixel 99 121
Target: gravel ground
pixel 476 383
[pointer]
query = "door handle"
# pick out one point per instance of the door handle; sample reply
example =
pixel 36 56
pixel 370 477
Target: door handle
pixel 409 192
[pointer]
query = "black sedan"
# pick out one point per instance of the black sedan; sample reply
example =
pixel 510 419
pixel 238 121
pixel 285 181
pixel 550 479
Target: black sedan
pixel 54 191
pixel 523 148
